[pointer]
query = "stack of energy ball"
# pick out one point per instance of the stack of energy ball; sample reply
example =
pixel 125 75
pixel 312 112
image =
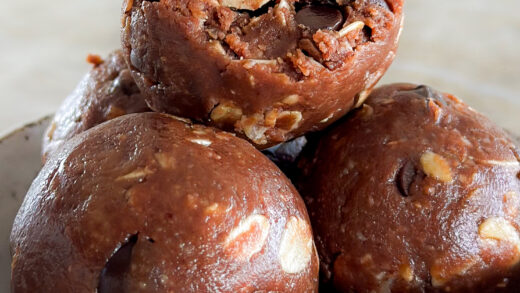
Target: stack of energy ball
pixel 403 189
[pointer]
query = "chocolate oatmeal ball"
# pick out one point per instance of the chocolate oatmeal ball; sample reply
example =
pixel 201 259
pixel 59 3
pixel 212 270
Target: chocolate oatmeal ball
pixel 148 203
pixel 268 70
pixel 415 192
pixel 106 92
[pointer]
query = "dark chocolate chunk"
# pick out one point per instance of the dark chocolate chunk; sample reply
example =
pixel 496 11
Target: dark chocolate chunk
pixel 318 17
pixel 112 278
pixel 404 178
pixel 428 92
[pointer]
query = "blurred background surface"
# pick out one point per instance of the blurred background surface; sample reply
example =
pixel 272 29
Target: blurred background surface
pixel 470 48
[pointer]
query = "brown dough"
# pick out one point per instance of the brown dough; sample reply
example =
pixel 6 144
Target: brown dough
pixel 149 203
pixel 268 70
pixel 415 192
pixel 106 92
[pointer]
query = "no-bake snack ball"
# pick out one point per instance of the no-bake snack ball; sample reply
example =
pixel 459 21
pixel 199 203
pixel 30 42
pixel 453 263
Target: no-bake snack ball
pixel 107 91
pixel 268 70
pixel 148 203
pixel 415 192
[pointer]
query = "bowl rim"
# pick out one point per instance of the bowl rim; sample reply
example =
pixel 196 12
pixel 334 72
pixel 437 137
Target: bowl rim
pixel 5 135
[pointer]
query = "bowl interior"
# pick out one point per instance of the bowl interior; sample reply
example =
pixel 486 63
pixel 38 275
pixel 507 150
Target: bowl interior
pixel 20 162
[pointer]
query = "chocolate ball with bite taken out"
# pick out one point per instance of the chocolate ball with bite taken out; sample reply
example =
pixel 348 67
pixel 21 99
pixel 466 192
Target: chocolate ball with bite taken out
pixel 268 70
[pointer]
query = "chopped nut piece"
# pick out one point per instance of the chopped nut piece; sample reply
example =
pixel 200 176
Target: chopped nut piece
pixel 357 25
pixel 296 247
pixel 252 130
pixel 271 117
pixel 248 237
pixel 288 120
pixel 226 114
pixel 441 273
pixel 166 161
pixel 406 272
pixel 212 209
pixel 436 166
pixel 499 229
pixel 244 4
pixel 291 100
pixel 361 98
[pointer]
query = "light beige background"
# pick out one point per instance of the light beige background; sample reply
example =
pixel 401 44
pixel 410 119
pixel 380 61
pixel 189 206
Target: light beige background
pixel 467 47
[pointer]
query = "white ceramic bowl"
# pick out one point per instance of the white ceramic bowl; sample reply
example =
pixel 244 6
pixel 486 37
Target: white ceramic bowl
pixel 20 162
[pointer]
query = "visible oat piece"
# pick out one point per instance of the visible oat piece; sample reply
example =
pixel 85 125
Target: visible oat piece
pixel 355 26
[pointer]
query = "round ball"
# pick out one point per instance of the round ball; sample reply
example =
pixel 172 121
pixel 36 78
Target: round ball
pixel 107 91
pixel 148 203
pixel 415 192
pixel 268 70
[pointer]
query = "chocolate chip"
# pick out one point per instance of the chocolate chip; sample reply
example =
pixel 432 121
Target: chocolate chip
pixel 428 92
pixel 405 177
pixel 317 17
pixel 113 275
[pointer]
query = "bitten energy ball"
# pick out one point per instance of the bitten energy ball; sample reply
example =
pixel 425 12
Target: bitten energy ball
pixel 268 70
pixel 106 92
pixel 148 203
pixel 415 192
